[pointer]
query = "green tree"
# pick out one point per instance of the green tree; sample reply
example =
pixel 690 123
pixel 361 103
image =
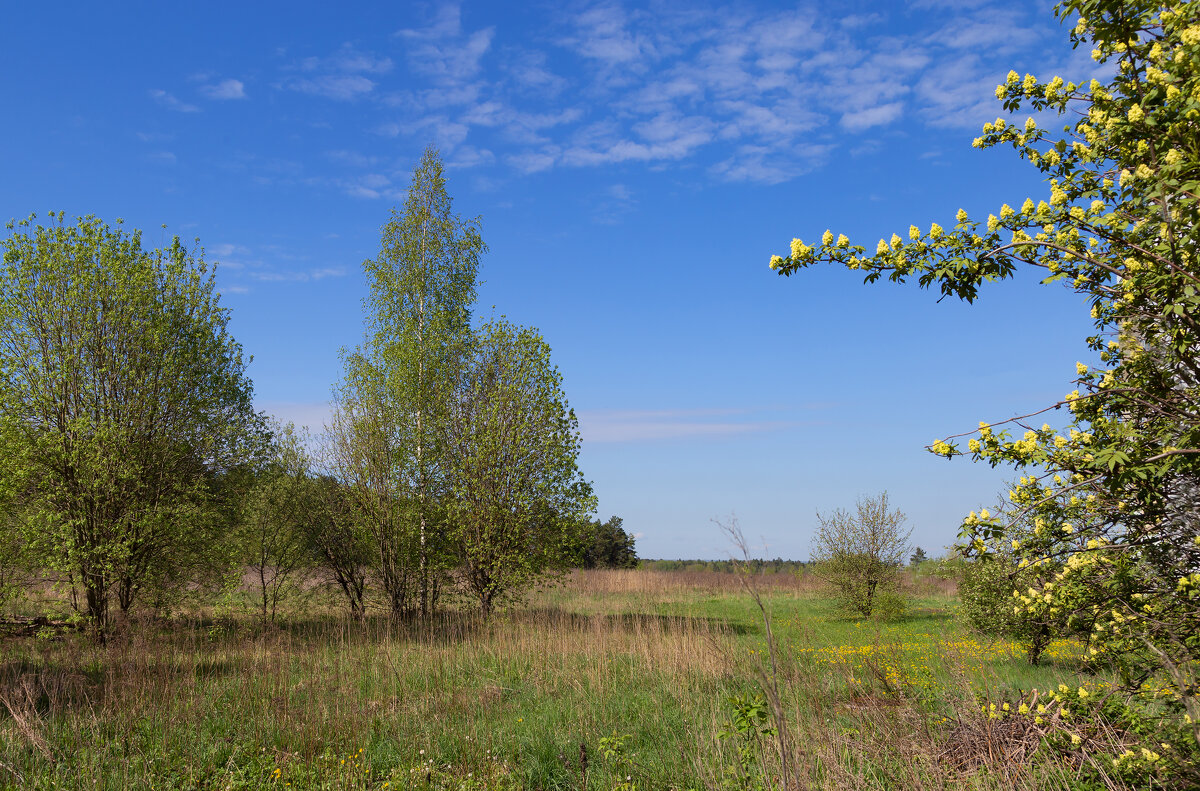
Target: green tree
pixel 277 507
pixel 512 443
pixel 859 555
pixel 123 396
pixel 917 557
pixel 396 387
pixel 1112 497
pixel 606 545
pixel 338 544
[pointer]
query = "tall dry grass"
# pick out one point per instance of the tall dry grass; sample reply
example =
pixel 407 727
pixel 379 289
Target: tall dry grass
pixel 653 657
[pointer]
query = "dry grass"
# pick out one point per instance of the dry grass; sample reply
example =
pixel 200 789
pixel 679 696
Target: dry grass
pixel 524 700
pixel 635 582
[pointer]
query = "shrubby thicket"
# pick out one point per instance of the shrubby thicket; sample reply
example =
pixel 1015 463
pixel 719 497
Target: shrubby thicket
pixel 1106 514
pixel 135 472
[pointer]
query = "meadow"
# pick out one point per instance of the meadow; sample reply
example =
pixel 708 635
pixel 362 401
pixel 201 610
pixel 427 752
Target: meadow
pixel 614 679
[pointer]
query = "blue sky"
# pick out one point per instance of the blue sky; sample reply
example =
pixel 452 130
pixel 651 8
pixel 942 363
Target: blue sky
pixel 635 166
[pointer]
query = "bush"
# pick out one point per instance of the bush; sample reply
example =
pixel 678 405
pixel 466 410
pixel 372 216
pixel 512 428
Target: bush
pixel 860 556
pixel 990 589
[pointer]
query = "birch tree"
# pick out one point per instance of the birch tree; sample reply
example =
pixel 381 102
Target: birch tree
pixel 397 385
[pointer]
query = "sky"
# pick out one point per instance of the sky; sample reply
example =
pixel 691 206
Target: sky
pixel 634 166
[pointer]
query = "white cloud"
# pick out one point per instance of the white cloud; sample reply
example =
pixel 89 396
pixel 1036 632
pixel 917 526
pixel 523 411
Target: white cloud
pixel 339 76
pixel 443 51
pixel 225 89
pixel 747 95
pixel 169 101
pixel 533 161
pixel 225 249
pixel 872 116
pixel 529 71
pixel 659 425
pixel 470 156
pixel 602 34
pixel 342 87
pixel 347 60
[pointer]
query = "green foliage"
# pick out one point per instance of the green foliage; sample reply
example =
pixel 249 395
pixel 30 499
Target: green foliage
pixel 614 749
pixel 1111 499
pixel 122 396
pixel 860 555
pixel 990 588
pixel 512 445
pixel 338 545
pixel 392 405
pixel 917 557
pixel 985 588
pixel 750 724
pixel 278 505
pixel 606 545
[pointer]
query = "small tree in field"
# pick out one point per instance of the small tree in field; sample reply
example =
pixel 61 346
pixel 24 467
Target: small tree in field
pixel 276 508
pixel 860 555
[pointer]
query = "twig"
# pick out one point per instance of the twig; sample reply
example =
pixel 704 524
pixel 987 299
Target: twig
pixel 771 680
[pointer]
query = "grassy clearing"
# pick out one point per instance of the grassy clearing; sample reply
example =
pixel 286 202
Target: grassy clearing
pixel 617 679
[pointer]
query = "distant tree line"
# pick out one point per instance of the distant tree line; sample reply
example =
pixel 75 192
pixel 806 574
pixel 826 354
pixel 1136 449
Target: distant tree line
pixel 134 470
pixel 754 565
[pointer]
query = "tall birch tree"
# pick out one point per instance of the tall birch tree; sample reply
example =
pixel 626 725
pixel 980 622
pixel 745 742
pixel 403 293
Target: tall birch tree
pixel 418 318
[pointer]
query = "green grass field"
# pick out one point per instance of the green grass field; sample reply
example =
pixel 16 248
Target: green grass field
pixel 615 679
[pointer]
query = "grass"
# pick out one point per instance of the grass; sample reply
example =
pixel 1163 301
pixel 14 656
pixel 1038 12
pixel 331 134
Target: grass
pixel 613 675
